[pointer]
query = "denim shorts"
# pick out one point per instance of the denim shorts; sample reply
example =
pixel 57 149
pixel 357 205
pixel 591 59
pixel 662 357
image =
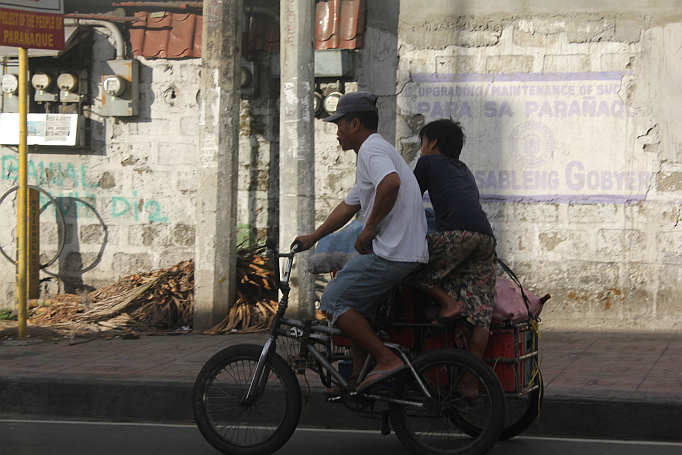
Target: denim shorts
pixel 361 284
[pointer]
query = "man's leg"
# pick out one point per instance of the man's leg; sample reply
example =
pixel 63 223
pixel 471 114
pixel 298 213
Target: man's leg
pixel 357 328
pixel 359 357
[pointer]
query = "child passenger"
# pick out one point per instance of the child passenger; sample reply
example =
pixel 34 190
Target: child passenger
pixel 461 271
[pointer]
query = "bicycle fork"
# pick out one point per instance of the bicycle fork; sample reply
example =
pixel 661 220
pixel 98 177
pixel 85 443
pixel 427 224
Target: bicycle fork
pixel 259 378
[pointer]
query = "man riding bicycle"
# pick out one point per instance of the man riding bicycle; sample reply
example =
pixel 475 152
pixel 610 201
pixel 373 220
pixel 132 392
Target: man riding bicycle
pixel 391 244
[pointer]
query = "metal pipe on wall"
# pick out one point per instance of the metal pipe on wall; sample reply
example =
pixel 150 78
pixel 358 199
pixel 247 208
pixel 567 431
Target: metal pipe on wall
pixel 115 32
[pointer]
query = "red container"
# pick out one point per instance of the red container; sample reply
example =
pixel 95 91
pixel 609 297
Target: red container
pixel 501 346
pixel 340 341
pixel 404 310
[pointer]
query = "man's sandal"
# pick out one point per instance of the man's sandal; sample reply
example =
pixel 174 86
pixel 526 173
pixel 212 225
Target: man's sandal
pixel 335 391
pixel 383 376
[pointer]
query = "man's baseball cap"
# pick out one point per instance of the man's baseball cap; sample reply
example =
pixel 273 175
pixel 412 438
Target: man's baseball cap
pixel 354 102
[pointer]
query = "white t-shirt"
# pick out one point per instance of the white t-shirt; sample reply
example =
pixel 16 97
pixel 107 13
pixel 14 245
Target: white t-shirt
pixel 401 236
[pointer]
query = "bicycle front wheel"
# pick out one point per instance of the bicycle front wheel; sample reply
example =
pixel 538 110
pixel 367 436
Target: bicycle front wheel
pixel 440 425
pixel 230 423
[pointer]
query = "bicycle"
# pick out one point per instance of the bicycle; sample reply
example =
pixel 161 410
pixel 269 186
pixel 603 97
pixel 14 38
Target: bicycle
pixel 247 399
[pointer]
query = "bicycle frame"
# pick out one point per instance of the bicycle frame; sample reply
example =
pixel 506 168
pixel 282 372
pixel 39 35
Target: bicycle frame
pixel 305 340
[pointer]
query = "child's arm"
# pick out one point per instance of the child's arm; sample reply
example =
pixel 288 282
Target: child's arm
pixel 421 172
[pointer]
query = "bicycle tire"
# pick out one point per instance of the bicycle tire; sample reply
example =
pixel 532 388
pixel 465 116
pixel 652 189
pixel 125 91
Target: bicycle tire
pixel 523 411
pixel 437 427
pixel 226 422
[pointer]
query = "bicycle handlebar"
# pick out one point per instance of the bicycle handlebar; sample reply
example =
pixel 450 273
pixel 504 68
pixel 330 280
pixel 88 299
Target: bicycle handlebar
pixel 271 243
pixel 297 246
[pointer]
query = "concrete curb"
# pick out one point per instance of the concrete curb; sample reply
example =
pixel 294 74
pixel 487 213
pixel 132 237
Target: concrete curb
pixel 170 402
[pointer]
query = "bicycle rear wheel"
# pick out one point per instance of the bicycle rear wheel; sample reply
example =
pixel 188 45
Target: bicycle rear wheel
pixel 523 411
pixel 234 426
pixel 439 426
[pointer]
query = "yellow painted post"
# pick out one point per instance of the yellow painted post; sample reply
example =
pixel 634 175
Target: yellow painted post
pixel 22 231
pixel 33 246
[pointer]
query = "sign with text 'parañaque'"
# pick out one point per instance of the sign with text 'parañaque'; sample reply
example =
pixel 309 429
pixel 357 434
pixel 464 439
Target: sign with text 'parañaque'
pixel 540 137
pixel 32 24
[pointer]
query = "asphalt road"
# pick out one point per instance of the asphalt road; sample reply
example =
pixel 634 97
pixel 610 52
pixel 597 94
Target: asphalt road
pixel 22 437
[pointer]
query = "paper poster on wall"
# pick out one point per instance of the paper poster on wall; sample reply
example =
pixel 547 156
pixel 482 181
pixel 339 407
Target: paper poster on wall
pixel 536 137
pixel 43 129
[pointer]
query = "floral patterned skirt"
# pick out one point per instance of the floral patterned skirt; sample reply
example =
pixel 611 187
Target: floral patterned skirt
pixel 463 264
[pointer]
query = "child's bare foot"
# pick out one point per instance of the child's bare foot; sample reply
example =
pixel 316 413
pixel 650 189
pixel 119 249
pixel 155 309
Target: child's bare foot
pixel 452 310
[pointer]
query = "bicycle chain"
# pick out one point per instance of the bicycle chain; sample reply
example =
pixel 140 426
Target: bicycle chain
pixel 353 404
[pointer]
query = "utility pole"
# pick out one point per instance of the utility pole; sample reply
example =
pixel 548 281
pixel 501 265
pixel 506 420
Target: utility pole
pixel 216 231
pixel 297 142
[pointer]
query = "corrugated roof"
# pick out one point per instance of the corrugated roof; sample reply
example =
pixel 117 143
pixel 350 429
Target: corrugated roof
pixel 166 35
pixel 339 24
pixel 263 34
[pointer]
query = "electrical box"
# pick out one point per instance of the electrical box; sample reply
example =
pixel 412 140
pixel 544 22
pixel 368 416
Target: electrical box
pixel 249 79
pixel 9 84
pixel 328 63
pixel 70 88
pixel 44 81
pixel 120 91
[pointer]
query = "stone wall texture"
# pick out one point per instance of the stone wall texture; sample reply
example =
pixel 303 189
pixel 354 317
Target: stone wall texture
pixel 600 232
pixel 572 113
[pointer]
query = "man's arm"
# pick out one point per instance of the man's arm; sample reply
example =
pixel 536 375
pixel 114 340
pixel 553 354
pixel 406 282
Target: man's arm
pixel 384 200
pixel 337 219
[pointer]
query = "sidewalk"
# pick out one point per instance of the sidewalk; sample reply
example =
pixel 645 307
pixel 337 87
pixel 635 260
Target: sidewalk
pixel 597 384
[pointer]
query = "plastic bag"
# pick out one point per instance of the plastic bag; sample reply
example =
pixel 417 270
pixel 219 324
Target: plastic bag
pixel 509 305
pixel 329 261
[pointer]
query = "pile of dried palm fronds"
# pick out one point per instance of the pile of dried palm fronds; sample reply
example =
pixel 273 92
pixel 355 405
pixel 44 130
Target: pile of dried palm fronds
pixel 164 300
pixel 255 307
pixel 61 308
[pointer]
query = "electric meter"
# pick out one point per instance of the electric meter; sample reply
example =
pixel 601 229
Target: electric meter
pixel 246 77
pixel 317 103
pixel 10 84
pixel 67 82
pixel 114 85
pixel 41 81
pixel 331 101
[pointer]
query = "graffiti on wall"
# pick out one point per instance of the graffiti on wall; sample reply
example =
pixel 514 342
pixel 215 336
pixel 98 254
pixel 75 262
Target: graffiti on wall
pixel 536 137
pixel 66 175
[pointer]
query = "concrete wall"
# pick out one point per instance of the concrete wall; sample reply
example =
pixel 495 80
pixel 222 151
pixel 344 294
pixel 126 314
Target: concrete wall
pixel 128 201
pixel 584 197
pixel 585 203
